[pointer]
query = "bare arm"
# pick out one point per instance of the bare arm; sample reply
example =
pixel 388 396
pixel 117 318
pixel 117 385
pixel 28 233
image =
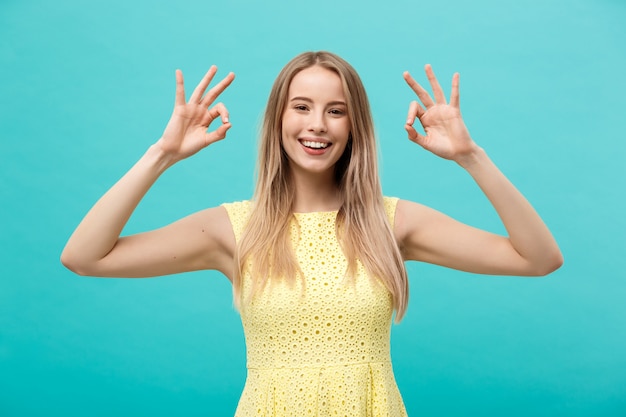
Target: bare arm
pixel 427 235
pixel 201 241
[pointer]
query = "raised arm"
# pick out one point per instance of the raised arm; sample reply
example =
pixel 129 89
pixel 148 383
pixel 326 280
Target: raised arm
pixel 201 241
pixel 427 235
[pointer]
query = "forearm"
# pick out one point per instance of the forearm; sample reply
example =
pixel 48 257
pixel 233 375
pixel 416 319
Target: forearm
pixel 528 234
pixel 99 231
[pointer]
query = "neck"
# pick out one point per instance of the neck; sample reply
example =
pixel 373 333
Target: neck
pixel 315 192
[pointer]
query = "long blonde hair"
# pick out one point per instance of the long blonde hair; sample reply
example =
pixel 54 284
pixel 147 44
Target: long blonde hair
pixel 362 227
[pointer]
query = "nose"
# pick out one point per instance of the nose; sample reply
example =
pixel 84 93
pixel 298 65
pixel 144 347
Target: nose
pixel 317 122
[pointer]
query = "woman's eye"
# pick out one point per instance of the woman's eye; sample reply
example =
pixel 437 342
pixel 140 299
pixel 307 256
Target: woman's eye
pixel 300 107
pixel 337 112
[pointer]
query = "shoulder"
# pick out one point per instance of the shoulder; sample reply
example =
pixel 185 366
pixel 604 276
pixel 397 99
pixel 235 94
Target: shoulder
pixel 238 213
pixel 390 204
pixel 409 218
pixel 238 208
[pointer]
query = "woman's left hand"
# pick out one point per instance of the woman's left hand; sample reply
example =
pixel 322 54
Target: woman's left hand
pixel 445 132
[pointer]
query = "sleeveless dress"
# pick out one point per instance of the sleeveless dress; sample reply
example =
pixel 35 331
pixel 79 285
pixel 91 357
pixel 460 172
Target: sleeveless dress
pixel 318 348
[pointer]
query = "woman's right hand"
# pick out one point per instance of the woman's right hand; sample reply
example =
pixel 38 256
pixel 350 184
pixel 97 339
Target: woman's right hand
pixel 200 241
pixel 187 130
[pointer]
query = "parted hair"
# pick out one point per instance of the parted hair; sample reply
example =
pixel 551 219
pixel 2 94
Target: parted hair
pixel 362 226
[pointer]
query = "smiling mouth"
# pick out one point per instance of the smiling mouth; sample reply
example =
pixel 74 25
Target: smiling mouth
pixel 315 145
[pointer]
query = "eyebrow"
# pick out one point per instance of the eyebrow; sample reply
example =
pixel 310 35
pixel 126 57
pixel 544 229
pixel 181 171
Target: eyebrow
pixel 331 103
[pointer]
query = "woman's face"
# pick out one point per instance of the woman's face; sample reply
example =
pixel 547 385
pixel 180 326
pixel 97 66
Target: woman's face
pixel 315 125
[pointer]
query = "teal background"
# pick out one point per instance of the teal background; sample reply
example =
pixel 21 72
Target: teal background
pixel 86 87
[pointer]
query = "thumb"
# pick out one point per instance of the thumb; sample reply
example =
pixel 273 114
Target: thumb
pixel 217 135
pixel 414 135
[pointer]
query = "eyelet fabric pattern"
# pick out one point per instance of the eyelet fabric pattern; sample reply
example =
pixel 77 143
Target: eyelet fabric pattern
pixel 319 346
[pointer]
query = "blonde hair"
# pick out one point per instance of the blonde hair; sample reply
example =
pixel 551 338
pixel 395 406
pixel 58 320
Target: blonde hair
pixel 362 227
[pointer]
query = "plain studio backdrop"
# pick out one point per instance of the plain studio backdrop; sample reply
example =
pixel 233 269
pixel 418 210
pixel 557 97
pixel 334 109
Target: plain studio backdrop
pixel 86 87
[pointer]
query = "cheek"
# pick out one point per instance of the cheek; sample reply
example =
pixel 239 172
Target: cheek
pixel 288 126
pixel 285 128
pixel 346 130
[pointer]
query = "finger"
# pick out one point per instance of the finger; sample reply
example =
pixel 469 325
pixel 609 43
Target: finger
pixel 415 110
pixel 414 135
pixel 421 93
pixel 217 134
pixel 180 88
pixel 196 97
pixel 219 110
pixel 454 95
pixel 440 97
pixel 218 89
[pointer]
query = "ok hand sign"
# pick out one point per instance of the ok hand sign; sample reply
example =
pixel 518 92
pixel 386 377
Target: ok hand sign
pixel 186 132
pixel 445 132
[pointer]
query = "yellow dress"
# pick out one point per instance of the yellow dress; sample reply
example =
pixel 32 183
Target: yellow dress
pixel 322 348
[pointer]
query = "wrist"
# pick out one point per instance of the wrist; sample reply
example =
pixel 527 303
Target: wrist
pixel 157 158
pixel 472 159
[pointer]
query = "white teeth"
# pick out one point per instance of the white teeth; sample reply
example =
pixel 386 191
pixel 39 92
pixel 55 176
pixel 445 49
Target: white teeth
pixel 316 145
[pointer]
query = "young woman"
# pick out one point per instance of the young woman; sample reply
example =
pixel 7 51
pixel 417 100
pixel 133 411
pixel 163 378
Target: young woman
pixel 316 257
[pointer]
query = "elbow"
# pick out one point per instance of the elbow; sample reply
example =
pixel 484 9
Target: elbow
pixel 70 264
pixel 548 265
pixel 73 264
pixel 555 262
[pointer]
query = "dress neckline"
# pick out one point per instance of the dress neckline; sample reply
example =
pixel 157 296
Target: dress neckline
pixel 313 213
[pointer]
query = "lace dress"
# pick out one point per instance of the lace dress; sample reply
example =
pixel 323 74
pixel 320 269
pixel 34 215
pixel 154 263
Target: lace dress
pixel 319 349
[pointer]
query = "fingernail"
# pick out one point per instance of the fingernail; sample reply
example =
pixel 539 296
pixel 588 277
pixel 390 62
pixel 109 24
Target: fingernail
pixel 225 119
